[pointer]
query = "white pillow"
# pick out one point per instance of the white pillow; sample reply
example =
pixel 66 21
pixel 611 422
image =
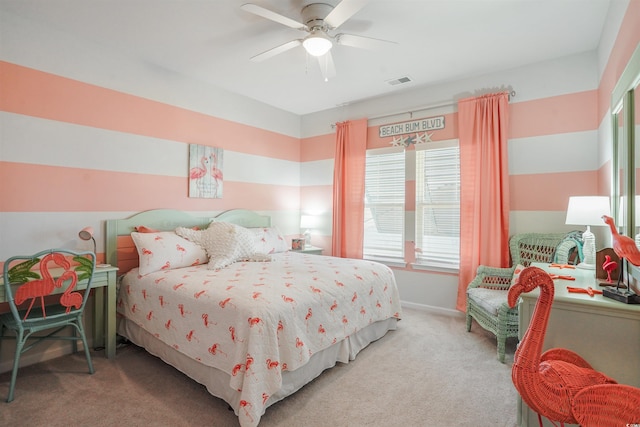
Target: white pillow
pixel 166 250
pixel 269 240
pixel 224 242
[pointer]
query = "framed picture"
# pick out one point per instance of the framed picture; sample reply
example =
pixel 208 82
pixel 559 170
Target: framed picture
pixel 297 244
pixel 205 171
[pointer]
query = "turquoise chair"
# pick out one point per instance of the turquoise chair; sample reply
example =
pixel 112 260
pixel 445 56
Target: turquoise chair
pixel 42 293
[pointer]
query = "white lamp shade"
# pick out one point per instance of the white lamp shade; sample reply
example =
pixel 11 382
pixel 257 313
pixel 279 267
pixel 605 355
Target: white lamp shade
pixel 317 44
pixel 308 221
pixel 587 210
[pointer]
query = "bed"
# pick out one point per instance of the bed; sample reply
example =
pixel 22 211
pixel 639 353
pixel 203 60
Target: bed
pixel 257 329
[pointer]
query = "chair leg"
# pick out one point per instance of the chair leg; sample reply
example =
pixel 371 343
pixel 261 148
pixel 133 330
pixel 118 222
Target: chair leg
pixel 2 328
pixel 74 343
pixel 468 321
pixel 501 347
pixel 16 364
pixel 84 344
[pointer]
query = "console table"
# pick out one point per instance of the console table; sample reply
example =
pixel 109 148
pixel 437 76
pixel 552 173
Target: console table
pixel 104 325
pixel 605 332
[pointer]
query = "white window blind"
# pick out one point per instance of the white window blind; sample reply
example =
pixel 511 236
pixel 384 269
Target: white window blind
pixel 384 205
pixel 438 206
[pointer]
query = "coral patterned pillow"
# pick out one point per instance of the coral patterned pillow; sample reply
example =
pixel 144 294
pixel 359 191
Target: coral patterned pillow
pixel 516 274
pixel 166 250
pixel 269 240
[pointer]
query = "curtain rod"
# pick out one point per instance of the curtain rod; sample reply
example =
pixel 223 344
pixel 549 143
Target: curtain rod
pixel 512 94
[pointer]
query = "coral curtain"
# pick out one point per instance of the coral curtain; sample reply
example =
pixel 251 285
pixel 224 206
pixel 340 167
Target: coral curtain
pixel 484 186
pixel 348 188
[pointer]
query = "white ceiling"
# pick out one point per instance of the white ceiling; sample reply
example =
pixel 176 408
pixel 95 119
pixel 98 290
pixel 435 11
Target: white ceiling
pixel 437 41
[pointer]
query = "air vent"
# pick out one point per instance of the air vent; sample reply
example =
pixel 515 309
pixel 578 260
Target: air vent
pixel 399 81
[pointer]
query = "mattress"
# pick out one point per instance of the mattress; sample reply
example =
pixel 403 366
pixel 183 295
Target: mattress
pixel 255 332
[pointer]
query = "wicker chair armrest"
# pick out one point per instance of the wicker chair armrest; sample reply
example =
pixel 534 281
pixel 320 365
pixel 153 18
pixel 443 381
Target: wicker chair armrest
pixel 492 277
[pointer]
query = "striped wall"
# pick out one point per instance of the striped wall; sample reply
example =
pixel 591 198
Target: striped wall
pixel 82 143
pixel 559 141
pixel 84 153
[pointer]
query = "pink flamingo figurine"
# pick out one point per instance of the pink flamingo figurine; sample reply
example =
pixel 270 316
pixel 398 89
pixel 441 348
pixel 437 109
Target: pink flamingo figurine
pixel 608 265
pixel 547 382
pixel 624 246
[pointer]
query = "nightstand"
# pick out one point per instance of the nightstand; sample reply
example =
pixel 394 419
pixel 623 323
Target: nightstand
pixel 313 250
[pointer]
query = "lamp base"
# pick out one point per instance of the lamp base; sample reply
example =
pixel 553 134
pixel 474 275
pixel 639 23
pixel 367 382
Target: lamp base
pixel 585 266
pixel 621 295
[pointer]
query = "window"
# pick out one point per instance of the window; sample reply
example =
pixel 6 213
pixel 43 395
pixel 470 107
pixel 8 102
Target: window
pixel 384 205
pixel 437 204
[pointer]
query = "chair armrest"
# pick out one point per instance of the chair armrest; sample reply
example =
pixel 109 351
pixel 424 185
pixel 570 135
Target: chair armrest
pixel 492 277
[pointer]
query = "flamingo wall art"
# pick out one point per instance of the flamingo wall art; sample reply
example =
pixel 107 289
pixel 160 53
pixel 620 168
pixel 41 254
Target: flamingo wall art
pixel 205 171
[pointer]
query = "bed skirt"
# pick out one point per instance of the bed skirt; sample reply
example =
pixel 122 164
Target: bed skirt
pixel 217 381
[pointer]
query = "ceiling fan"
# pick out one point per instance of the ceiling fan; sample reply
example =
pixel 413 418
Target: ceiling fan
pixel 319 20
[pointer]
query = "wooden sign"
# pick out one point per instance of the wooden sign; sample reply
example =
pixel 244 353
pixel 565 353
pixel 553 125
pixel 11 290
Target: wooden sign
pixel 420 125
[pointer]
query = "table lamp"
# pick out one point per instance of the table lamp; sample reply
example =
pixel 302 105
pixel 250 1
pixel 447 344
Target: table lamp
pixel 588 210
pixel 87 234
pixel 307 222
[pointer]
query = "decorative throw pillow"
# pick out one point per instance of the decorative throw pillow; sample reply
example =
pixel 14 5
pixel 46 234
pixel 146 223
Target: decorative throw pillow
pixel 269 240
pixel 516 274
pixel 224 242
pixel 166 250
pixel 191 234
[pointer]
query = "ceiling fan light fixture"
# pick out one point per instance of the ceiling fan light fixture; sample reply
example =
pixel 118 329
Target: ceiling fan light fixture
pixel 317 44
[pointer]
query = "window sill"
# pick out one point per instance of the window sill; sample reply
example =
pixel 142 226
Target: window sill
pixel 435 268
pixel 389 262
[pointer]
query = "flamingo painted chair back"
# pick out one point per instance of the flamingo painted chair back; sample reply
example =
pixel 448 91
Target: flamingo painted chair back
pixel 47 292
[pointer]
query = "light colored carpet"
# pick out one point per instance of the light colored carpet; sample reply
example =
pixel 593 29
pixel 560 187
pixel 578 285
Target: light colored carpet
pixel 429 372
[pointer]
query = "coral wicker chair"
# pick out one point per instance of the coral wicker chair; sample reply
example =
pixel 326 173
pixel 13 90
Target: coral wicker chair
pixel 42 293
pixel 487 293
pixel 607 405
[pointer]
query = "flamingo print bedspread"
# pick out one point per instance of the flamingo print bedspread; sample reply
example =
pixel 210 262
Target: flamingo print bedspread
pixel 255 319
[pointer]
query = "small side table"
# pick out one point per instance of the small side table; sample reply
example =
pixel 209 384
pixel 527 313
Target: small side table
pixel 313 250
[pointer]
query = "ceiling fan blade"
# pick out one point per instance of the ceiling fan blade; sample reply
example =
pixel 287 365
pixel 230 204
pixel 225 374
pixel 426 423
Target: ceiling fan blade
pixel 327 67
pixel 343 11
pixel 273 16
pixel 276 50
pixel 361 41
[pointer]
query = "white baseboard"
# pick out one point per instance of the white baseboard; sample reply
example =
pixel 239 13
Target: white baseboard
pixel 432 309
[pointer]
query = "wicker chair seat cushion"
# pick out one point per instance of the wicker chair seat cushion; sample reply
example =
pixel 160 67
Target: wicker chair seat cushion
pixel 489 299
